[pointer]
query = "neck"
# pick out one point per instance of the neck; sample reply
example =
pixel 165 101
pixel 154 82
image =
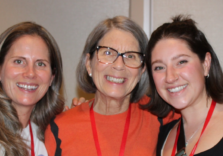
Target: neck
pixel 24 113
pixel 196 114
pixel 109 106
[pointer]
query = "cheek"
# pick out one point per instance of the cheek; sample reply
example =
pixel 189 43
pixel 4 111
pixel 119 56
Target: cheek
pixel 137 74
pixel 9 73
pixel 46 77
pixel 157 78
pixel 193 72
pixel 99 69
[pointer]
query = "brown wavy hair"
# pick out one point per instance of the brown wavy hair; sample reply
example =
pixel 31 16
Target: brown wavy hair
pixel 50 105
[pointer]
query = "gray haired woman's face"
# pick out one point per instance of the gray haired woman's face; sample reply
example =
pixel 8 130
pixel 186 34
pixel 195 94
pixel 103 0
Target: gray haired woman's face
pixel 110 73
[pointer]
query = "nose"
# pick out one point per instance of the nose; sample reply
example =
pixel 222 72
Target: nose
pixel 29 72
pixel 171 75
pixel 118 64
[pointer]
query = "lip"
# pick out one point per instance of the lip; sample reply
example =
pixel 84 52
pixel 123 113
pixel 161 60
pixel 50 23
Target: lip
pixel 115 79
pixel 27 86
pixel 177 89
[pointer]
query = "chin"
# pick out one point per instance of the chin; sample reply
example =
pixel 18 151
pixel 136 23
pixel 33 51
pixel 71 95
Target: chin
pixel 28 103
pixel 179 106
pixel 117 96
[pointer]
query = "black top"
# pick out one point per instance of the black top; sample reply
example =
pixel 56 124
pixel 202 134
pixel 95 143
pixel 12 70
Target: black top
pixel 217 150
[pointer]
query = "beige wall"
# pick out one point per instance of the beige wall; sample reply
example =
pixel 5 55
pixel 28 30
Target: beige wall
pixel 136 11
pixel 208 15
pixel 69 21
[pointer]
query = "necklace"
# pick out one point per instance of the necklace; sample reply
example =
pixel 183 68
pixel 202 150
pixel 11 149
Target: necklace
pixel 125 133
pixel 210 112
pixel 32 142
pixel 186 143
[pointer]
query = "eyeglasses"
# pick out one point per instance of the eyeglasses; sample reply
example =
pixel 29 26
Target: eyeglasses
pixel 109 55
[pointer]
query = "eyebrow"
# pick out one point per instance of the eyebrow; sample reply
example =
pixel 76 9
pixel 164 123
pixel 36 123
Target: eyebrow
pixel 178 56
pixel 174 58
pixel 43 60
pixel 21 57
pixel 117 50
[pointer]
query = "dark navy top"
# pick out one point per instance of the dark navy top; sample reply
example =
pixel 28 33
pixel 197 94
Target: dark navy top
pixel 217 150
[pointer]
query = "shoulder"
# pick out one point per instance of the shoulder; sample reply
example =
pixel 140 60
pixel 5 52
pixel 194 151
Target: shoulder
pixel 144 100
pixel 72 115
pixel 170 117
pixel 164 131
pixel 144 113
pixel 166 128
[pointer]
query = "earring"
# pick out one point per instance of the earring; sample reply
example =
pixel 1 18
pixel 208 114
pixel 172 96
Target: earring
pixel 90 74
pixel 208 76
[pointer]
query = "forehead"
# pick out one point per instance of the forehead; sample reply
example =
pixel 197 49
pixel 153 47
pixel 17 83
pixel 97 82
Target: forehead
pixel 120 40
pixel 29 44
pixel 171 47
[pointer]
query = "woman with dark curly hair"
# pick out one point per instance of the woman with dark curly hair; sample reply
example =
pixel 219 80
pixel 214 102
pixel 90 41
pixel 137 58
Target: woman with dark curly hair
pixel 31 77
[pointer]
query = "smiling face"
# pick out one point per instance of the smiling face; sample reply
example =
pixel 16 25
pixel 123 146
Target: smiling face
pixel 178 73
pixel 115 80
pixel 26 73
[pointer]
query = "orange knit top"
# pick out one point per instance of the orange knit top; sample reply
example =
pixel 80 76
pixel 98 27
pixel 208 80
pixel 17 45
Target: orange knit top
pixel 70 133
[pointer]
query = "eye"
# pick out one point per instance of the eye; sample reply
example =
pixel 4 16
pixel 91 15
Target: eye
pixel 41 64
pixel 158 68
pixel 18 61
pixel 183 62
pixel 131 56
pixel 107 53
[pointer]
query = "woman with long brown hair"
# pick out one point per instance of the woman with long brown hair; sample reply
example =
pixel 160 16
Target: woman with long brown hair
pixel 31 77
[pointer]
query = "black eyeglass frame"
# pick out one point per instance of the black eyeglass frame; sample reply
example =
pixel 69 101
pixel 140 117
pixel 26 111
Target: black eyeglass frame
pixel 122 55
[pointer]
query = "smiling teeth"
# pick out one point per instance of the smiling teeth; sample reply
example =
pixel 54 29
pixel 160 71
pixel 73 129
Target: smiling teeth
pixel 116 80
pixel 177 89
pixel 27 87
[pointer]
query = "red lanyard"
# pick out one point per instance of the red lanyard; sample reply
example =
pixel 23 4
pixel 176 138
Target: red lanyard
pixel 32 142
pixel 124 137
pixel 210 112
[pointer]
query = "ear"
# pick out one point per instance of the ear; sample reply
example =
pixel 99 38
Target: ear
pixel 88 64
pixel 207 63
pixel 51 79
pixel 143 70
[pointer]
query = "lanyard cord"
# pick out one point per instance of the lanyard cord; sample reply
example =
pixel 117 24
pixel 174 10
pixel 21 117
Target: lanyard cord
pixel 32 142
pixel 210 112
pixel 125 133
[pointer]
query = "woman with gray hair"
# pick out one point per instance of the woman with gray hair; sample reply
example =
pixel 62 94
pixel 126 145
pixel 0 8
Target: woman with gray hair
pixel 111 124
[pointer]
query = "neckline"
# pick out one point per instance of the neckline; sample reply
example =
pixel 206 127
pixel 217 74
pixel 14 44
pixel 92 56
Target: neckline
pixel 197 154
pixel 179 131
pixel 108 118
pixel 125 132
pixel 212 148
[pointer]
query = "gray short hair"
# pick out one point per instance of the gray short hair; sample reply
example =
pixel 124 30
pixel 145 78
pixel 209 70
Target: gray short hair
pixel 120 22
